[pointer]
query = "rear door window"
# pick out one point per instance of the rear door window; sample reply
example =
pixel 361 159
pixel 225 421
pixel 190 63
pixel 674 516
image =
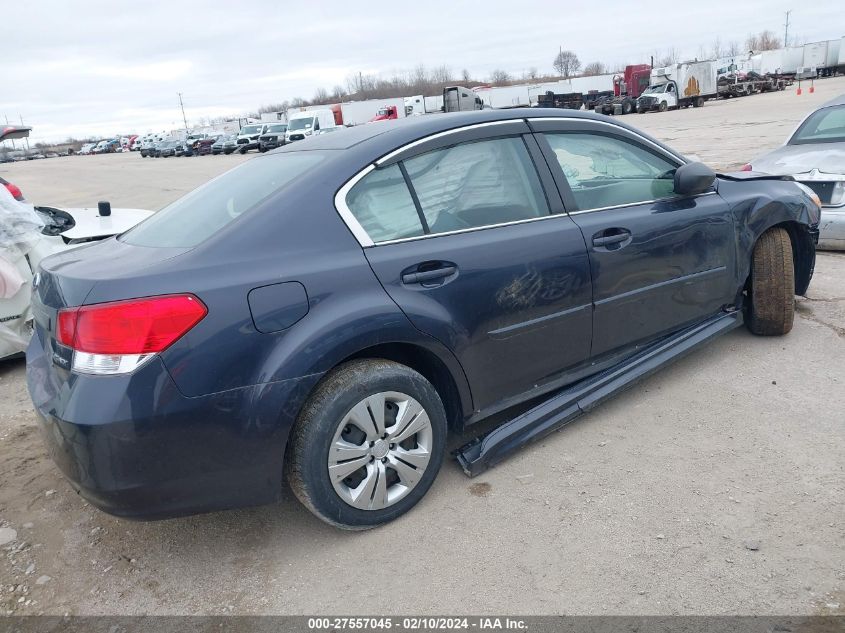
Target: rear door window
pixel 477 184
pixel 471 185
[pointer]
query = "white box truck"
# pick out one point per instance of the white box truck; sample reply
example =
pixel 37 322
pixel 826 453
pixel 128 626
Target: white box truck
pixel 307 123
pixel 679 86
pixel 815 56
pixel 825 57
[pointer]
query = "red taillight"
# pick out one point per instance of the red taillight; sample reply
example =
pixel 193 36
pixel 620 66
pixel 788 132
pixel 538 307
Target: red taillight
pixel 136 326
pixel 14 190
pixel 745 167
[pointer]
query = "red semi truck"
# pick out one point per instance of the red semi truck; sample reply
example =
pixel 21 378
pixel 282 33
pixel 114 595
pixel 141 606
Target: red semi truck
pixel 626 88
pixel 386 113
pixel 358 112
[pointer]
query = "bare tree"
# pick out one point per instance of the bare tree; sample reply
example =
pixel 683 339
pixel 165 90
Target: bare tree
pixel 763 41
pixel 442 75
pixel 594 68
pixel 532 73
pixel 465 76
pixel 420 76
pixel 718 49
pixel 273 107
pixel 733 49
pixel 566 64
pixel 338 92
pixel 670 57
pixel 499 77
pixel 321 95
pixel 298 102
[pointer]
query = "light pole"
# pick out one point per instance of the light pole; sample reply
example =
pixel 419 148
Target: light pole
pixel 181 105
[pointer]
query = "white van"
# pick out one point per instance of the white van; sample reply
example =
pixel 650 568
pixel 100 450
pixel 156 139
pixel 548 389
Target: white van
pixel 303 124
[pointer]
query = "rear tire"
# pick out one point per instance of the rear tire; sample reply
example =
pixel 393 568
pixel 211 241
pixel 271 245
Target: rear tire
pixel 367 444
pixel 771 304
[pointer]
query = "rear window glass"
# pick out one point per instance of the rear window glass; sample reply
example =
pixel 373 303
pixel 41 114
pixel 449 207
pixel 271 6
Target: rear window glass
pixel 203 212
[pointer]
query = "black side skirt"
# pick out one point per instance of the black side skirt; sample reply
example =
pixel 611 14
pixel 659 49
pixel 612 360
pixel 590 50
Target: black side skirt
pixel 488 450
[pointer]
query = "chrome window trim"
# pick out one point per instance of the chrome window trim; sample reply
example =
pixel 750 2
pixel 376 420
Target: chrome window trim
pixel 346 213
pixel 367 242
pixel 631 204
pixel 469 229
pixel 652 144
pixel 431 137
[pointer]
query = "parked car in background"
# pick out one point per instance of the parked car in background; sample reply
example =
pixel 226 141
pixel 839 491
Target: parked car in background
pixel 249 135
pixel 815 155
pixel 225 144
pixel 273 137
pixel 106 146
pixel 88 148
pixel 203 146
pixel 147 146
pixel 421 260
pixel 153 151
pixel 169 148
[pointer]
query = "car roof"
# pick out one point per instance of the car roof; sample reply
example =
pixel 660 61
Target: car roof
pixel 408 129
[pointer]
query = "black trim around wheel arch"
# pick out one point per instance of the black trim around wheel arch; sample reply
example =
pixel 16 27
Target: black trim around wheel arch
pixel 488 450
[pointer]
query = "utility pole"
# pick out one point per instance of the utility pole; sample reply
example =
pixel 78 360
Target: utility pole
pixel 181 105
pixel 786 30
pixel 7 123
pixel 22 125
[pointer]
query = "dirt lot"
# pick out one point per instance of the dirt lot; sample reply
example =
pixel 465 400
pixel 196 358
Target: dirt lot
pixel 714 487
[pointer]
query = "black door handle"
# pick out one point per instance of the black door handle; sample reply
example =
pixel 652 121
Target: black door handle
pixel 428 275
pixel 615 238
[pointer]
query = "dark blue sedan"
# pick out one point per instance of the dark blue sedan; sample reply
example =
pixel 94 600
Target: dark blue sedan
pixel 325 312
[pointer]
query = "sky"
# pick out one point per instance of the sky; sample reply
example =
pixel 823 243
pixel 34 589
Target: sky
pixel 102 68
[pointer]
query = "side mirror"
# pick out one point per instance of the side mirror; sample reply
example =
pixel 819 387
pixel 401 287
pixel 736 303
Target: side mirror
pixel 693 178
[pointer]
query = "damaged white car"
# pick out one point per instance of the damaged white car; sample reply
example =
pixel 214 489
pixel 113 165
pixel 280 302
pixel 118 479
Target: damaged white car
pixel 815 156
pixel 30 233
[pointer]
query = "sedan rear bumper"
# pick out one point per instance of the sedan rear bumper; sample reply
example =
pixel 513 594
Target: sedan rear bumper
pixel 134 446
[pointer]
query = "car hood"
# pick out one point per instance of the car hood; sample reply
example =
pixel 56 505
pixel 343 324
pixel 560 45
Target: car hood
pixel 90 224
pixel 827 158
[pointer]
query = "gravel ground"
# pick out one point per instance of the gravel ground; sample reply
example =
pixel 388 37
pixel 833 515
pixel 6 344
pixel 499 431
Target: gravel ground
pixel 714 487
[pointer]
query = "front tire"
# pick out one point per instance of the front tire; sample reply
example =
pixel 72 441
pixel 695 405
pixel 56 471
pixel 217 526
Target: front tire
pixel 367 444
pixel 771 304
pixel 662 107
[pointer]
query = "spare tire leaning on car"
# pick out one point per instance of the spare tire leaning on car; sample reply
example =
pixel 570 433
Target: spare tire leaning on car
pixel 771 305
